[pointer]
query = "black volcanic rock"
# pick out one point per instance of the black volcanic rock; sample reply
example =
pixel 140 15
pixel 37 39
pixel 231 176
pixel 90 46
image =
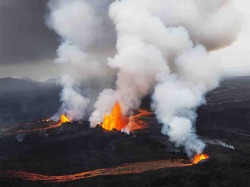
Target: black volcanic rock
pixel 74 147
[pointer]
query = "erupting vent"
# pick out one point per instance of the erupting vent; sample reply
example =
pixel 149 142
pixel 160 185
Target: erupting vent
pixel 116 121
pixel 200 157
pixel 64 119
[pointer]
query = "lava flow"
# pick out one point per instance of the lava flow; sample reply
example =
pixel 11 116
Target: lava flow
pixel 116 121
pixel 200 157
pixel 63 119
pixel 130 168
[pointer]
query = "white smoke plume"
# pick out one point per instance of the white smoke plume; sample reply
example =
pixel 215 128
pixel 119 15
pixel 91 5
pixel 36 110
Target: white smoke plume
pixel 73 102
pixel 162 48
pixel 84 31
pixel 164 45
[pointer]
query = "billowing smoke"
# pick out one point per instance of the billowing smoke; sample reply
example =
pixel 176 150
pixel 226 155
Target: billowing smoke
pixel 165 45
pixel 86 42
pixel 74 104
pixel 162 48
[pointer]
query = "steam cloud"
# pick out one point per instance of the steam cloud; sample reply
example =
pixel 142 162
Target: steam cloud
pixel 162 48
pixel 81 27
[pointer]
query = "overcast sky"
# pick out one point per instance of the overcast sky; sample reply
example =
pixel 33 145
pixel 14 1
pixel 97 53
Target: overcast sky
pixel 235 59
pixel 28 47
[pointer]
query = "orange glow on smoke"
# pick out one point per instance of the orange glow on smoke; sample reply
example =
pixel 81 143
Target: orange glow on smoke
pixel 199 157
pixel 116 121
pixel 129 168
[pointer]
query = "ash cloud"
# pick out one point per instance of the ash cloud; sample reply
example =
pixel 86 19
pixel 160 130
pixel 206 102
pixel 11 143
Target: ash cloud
pixel 154 47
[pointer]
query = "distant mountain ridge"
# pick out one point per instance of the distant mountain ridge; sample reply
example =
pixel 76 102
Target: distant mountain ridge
pixel 26 100
pixel 23 100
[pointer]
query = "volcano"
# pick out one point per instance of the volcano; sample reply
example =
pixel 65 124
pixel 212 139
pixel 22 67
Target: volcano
pixel 74 154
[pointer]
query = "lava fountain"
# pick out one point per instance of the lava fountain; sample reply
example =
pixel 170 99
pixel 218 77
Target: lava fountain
pixel 116 121
pixel 200 157
pixel 64 119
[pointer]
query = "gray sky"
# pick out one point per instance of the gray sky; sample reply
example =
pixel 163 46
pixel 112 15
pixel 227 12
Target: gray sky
pixel 28 47
pixel 235 59
pixel 24 36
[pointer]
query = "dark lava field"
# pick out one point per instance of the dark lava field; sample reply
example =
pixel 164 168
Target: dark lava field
pixel 223 123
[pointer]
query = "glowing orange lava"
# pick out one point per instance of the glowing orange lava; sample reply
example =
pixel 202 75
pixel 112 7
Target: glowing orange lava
pixel 136 123
pixel 63 119
pixel 198 158
pixel 130 168
pixel 116 121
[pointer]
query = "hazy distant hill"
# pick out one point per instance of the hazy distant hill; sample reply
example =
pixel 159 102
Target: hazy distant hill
pixel 27 100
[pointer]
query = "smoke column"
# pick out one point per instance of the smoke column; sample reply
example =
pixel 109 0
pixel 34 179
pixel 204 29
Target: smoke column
pixel 164 45
pixel 158 47
pixel 86 37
